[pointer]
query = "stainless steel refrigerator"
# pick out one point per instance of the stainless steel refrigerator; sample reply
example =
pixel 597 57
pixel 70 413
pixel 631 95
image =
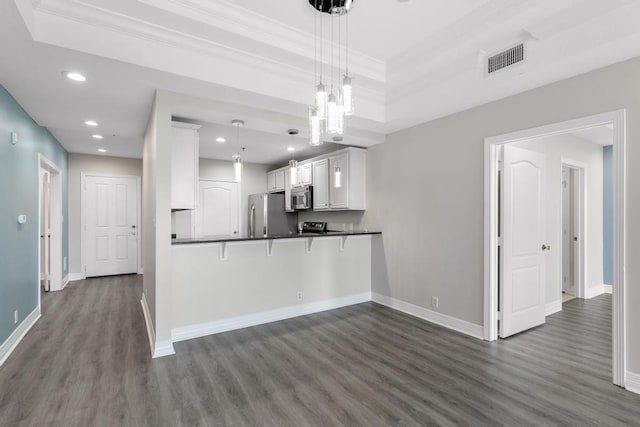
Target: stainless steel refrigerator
pixel 267 216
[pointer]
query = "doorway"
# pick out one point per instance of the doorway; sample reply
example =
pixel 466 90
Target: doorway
pixel 110 215
pixel 574 234
pixel 49 225
pixel 493 243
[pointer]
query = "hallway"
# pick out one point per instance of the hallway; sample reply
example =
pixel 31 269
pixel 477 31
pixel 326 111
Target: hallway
pixel 86 362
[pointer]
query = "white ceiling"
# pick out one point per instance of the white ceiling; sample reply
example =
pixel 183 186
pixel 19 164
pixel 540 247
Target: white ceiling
pixel 601 135
pixel 261 147
pixel 414 60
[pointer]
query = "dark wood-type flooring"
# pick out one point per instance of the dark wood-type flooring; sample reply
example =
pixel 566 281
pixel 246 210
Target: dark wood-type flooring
pixel 86 363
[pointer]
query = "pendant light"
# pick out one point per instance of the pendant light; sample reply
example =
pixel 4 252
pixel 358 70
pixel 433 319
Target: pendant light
pixel 329 111
pixel 337 177
pixel 293 172
pixel 347 88
pixel 237 160
pixel 315 127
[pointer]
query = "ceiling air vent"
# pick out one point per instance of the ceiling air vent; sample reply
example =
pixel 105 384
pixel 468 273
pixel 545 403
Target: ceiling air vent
pixel 505 58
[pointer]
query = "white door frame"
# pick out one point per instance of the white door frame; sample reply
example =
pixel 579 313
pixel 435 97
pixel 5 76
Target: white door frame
pixel 580 222
pixel 83 219
pixel 55 203
pixel 618 120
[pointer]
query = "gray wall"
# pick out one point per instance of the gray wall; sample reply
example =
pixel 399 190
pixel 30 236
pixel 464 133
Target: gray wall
pixel 254 180
pixel 79 163
pixel 19 171
pixel 426 191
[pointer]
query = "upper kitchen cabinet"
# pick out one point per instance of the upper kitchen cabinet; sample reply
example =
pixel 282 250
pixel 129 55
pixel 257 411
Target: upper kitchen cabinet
pixel 305 175
pixel 185 152
pixel 276 180
pixel 321 189
pixel 340 181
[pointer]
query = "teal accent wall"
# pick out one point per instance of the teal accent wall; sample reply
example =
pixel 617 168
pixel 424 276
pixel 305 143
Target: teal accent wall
pixel 19 169
pixel 607 215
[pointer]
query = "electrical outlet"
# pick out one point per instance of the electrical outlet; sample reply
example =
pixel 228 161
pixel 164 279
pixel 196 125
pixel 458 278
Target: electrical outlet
pixel 15 317
pixel 299 296
pixel 434 302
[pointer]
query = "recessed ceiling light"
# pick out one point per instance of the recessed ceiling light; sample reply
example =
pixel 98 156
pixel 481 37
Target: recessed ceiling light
pixel 102 150
pixel 220 139
pixel 96 136
pixel 91 123
pixel 75 76
pixel 291 149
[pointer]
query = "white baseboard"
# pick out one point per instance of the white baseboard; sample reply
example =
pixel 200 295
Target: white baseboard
pixel 140 271
pixel 456 324
pixel 203 329
pixel 65 281
pixel 632 382
pixel 76 276
pixel 553 307
pixel 594 291
pixel 158 349
pixel 10 344
pixel 608 289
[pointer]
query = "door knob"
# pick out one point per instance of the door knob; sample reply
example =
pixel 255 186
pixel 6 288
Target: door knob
pixel 546 247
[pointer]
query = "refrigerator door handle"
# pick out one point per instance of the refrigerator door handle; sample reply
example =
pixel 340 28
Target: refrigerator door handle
pixel 252 221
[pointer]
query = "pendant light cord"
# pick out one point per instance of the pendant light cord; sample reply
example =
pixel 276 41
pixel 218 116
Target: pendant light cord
pixel 331 16
pixel 347 47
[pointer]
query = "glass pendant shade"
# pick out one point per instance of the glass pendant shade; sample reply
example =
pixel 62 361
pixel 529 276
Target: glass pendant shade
pixel 347 96
pixel 321 102
pixel 315 127
pixel 340 119
pixel 332 114
pixel 337 177
pixel 237 168
pixel 293 172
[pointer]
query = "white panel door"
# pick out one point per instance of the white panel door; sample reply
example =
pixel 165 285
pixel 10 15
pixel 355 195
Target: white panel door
pixel 111 219
pixel 522 296
pixel 217 212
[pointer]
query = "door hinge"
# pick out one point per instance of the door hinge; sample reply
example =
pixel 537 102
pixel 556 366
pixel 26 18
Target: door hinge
pixel 500 241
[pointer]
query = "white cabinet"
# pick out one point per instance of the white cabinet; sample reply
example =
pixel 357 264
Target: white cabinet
pixel 305 175
pixel 275 181
pixel 185 155
pixel 321 187
pixel 339 181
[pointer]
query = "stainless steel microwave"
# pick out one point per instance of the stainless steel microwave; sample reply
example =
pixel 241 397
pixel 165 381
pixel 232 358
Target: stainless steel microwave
pixel 302 197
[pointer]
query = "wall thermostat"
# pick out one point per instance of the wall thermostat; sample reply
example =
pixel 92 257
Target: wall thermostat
pixel 14 138
pixel 22 219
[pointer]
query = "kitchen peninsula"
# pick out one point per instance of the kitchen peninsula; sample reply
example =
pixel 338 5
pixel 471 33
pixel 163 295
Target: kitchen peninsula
pixel 221 284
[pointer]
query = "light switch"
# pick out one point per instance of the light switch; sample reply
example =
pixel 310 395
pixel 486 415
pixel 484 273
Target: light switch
pixel 22 219
pixel 14 138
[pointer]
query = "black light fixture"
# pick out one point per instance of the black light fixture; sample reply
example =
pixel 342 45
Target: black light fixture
pixel 332 7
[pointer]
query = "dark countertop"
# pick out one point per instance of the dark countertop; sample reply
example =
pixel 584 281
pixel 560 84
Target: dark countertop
pixel 219 239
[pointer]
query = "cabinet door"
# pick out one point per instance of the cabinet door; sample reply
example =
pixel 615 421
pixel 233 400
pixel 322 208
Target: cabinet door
pixel 339 182
pixel 305 174
pixel 271 181
pixel 280 180
pixel 321 185
pixel 184 167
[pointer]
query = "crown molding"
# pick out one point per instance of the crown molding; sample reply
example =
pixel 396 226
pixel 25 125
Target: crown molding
pixel 74 24
pixel 236 19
